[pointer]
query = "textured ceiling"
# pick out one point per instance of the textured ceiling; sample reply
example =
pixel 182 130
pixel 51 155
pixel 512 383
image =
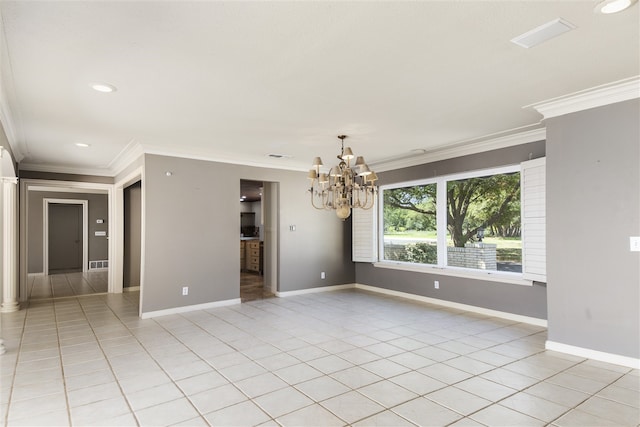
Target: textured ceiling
pixel 236 81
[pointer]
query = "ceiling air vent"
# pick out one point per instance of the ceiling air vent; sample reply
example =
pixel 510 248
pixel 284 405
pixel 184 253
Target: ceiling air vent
pixel 279 156
pixel 543 33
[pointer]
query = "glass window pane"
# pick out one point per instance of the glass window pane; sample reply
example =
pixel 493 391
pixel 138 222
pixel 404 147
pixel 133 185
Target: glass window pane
pixel 483 223
pixel 409 217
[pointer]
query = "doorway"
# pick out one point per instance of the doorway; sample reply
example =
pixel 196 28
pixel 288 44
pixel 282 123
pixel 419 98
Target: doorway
pixel 65 238
pixel 132 236
pixel 256 241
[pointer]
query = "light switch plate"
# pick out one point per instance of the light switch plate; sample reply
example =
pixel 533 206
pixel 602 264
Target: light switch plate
pixel 634 243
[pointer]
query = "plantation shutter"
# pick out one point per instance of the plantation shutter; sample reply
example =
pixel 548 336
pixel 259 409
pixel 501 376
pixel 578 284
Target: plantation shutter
pixel 364 235
pixel 533 211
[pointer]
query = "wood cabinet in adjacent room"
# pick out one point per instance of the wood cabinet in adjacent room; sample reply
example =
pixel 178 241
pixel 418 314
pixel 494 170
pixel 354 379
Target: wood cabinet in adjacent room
pixel 251 255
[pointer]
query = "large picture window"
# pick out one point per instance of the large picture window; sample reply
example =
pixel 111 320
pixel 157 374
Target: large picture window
pixel 465 221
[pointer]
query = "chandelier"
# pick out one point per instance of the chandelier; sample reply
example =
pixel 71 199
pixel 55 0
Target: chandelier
pixel 345 186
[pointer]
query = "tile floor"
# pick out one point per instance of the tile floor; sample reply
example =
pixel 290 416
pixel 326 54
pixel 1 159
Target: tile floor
pixel 252 287
pixel 67 284
pixel 335 358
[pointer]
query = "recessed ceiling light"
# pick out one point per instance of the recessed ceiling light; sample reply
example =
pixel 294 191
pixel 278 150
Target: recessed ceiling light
pixel 82 145
pixel 103 87
pixel 613 6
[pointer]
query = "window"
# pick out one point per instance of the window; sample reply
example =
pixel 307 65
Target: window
pixel 409 218
pixel 467 221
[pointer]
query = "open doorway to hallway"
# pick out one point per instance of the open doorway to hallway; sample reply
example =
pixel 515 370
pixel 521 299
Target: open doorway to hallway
pixel 64 234
pixel 255 241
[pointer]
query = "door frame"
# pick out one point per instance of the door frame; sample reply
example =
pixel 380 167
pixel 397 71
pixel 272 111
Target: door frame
pixel 30 184
pixel 85 231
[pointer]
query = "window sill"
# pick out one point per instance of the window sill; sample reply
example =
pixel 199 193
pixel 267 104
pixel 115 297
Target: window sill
pixel 511 278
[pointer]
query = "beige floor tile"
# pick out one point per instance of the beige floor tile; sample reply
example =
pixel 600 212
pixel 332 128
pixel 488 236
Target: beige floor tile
pixel 201 382
pixel 424 412
pixel 610 410
pixel 458 400
pixel 313 415
pixel 153 396
pixel 356 377
pixel 387 393
pixel 534 406
pixel 217 398
pixel 283 401
pixel 322 388
pixel 497 415
pixel 166 414
pixel 352 406
pixel 260 384
pixel 298 373
pixel 240 415
pixel 93 394
pixel 384 419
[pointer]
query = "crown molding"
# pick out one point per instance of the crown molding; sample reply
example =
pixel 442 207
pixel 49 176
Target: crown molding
pixel 464 149
pixel 124 158
pixel 611 93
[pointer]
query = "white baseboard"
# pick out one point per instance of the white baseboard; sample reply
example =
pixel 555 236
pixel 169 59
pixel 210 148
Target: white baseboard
pixel 601 356
pixel 315 290
pixel 131 289
pixel 495 313
pixel 187 308
pixel 35 274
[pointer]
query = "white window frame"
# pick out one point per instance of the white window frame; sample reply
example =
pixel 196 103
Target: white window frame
pixel 441 226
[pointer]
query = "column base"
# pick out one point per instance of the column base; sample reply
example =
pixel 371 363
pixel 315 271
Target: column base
pixel 9 307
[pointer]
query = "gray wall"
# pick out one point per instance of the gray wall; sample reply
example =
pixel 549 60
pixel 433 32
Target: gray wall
pixel 25 174
pixel 523 300
pixel 132 234
pixel 593 206
pixel 192 225
pixel 98 209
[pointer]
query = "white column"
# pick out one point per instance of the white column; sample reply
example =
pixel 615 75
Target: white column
pixel 9 245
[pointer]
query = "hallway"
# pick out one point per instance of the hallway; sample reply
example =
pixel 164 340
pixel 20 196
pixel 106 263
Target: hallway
pixel 67 285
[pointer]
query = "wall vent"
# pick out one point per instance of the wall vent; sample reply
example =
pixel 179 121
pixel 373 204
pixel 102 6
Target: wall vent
pixel 98 265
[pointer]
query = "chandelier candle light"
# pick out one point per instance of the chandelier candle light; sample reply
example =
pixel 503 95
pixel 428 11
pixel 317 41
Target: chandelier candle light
pixel 345 186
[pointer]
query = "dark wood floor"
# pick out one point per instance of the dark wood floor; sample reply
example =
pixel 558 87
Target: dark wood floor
pixel 252 287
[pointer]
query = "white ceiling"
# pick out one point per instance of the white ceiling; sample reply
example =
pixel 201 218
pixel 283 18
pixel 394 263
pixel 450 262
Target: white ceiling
pixel 236 81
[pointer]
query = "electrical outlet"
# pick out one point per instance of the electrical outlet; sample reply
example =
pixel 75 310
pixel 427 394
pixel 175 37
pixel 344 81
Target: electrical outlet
pixel 634 242
pixel 322 275
pixel 436 284
pixel 185 290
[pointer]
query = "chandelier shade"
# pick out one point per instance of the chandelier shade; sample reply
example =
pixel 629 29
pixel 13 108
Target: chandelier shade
pixel 345 187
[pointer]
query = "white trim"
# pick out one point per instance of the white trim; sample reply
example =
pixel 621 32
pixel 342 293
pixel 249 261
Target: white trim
pixel 35 274
pixel 131 289
pixel 472 308
pixel 601 356
pixel 611 93
pixel 188 308
pixel 315 290
pixel 117 222
pixel 124 158
pixel 85 231
pixel 463 148
pixel 465 273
